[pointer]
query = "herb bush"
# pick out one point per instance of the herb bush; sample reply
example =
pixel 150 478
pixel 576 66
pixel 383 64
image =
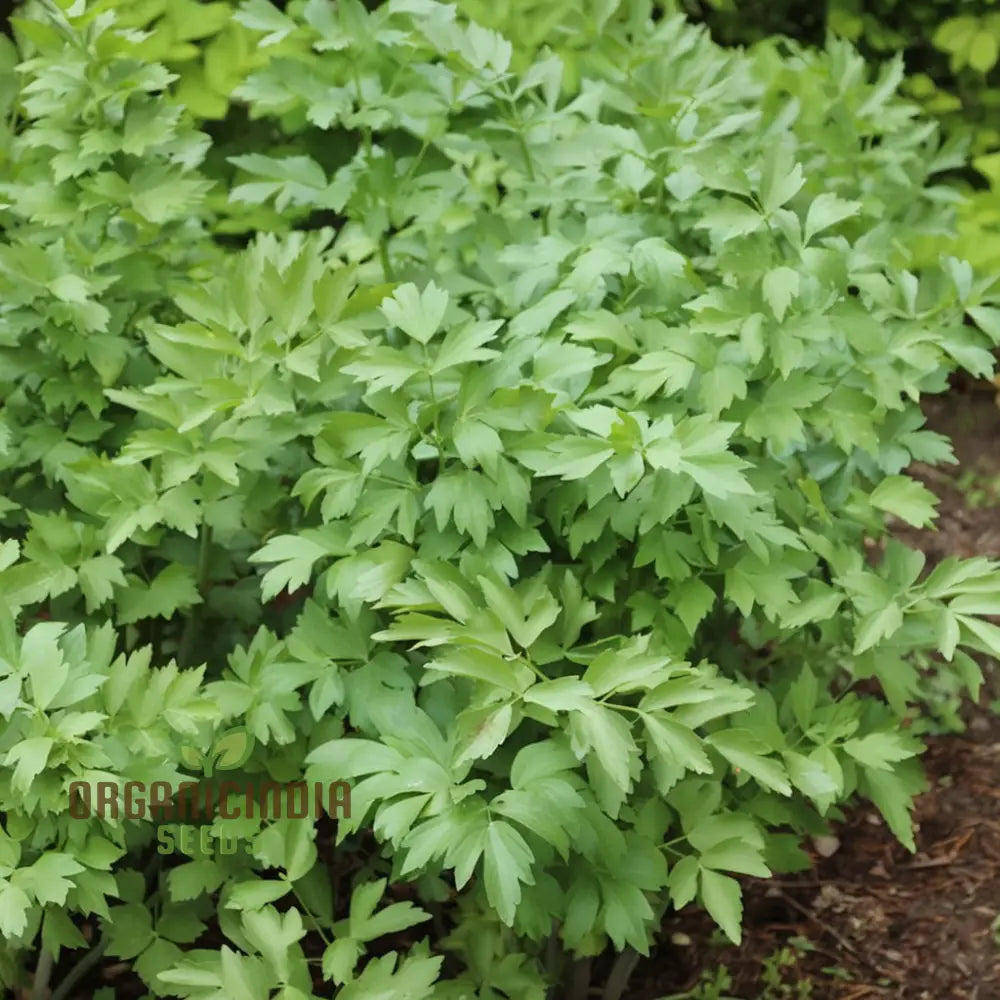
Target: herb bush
pixel 532 499
pixel 205 48
pixel 952 56
pixel 951 48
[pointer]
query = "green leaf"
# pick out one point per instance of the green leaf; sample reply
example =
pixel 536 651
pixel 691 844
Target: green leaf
pixel 507 862
pixel 300 850
pixel 609 736
pixel 49 879
pixel 274 935
pixel 983 51
pixel 481 665
pixel 253 894
pixel 537 761
pixel 881 750
pixel 291 181
pixel 241 976
pixel 895 803
pixel 878 625
pixel 295 556
pixel 625 669
pixel 683 881
pixel 341 958
pixel 30 757
pixel 478 444
pixel 174 588
pixel 417 314
pixel 367 925
pixel 193 878
pixel 781 178
pixel 131 930
pixel 810 777
pixel 349 758
pixel 565 694
pixel 745 751
pixel 98 577
pixel 14 909
pixel 490 727
pixel 694 600
pixel 906 498
pixel 781 285
pixel 259 15
pixel 573 458
pixel 987 318
pixel 826 211
pixel 731 219
pixel 676 744
pixel 415 977
pixel 463 345
pixel 722 898
pixel 735 856
pixel 44 662
pixel 803 696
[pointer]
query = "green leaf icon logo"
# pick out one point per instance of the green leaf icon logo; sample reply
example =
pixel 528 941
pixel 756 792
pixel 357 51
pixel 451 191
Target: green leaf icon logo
pixel 231 750
pixel 191 758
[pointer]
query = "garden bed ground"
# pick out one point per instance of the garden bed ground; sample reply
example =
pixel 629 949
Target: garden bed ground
pixel 871 921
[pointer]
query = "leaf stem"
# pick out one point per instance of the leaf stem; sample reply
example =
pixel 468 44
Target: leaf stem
pixel 92 957
pixel 438 443
pixel 578 987
pixel 529 165
pixel 621 972
pixel 43 973
pixel 554 956
pixel 192 627
pixel 312 916
pixel 412 169
pixel 383 256
pixel 86 963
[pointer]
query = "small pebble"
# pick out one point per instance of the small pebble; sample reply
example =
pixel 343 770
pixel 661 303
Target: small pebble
pixel 826 847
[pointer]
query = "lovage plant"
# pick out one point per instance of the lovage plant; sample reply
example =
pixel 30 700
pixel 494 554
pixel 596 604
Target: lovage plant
pixel 530 499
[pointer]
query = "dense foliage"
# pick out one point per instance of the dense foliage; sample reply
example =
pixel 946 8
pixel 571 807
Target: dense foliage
pixel 952 58
pixel 531 496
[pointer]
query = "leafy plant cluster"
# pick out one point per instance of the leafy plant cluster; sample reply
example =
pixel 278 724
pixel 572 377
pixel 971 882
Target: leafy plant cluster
pixel 530 495
pixel 952 54
pixel 779 978
pixel 951 49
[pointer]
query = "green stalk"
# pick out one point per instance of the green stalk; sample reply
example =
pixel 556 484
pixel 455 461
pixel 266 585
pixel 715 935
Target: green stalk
pixel 64 989
pixel 43 973
pixel 578 987
pixel 621 971
pixel 554 959
pixel 192 627
pixel 383 256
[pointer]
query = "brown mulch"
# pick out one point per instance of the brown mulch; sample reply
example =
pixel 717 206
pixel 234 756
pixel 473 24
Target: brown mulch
pixel 873 921
pixel 972 421
pixel 870 920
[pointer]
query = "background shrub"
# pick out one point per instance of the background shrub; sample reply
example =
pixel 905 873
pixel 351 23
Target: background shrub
pixel 951 58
